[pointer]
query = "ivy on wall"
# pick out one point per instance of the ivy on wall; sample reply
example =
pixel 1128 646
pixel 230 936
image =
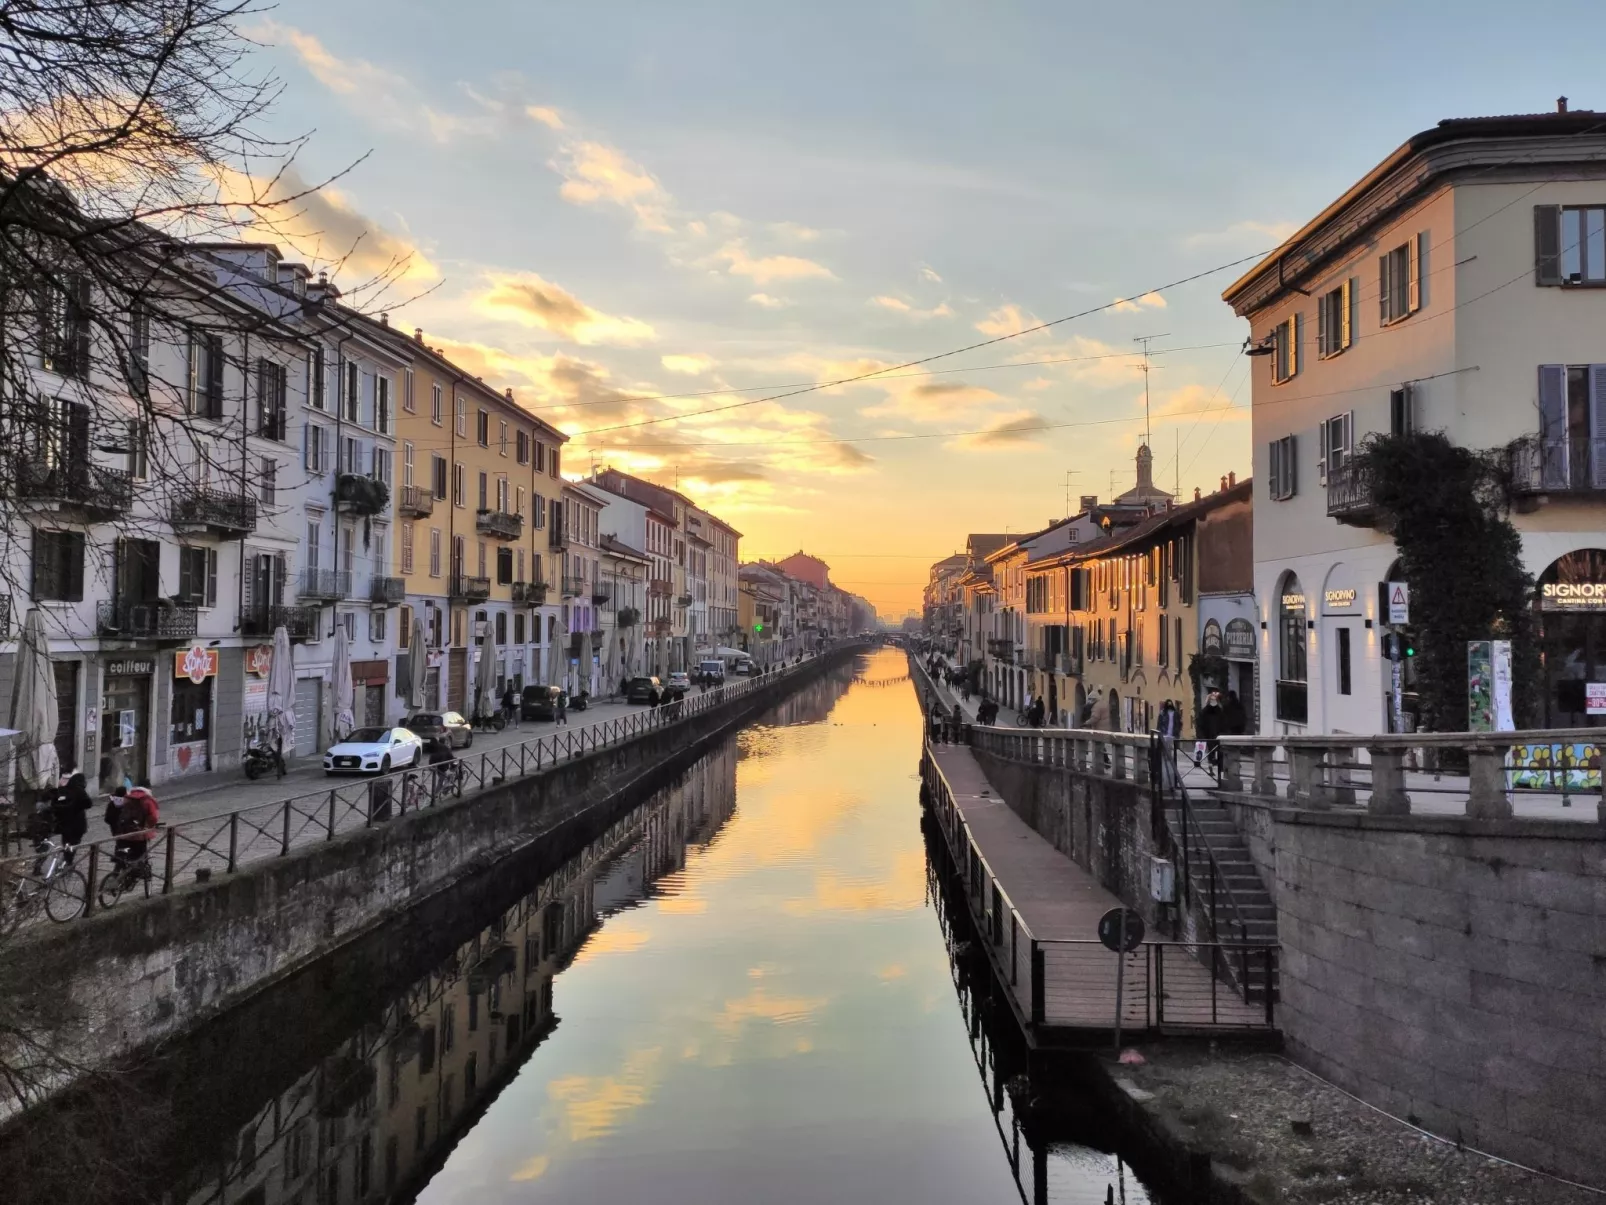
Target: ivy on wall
pixel 1462 558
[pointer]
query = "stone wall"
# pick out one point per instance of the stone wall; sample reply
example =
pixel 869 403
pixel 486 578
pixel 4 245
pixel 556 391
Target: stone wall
pixel 1453 972
pixel 149 969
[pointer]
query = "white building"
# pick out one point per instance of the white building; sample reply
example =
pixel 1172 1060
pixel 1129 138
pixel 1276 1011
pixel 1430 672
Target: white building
pixel 1457 287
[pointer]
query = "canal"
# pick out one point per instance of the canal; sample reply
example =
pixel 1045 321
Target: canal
pixel 748 988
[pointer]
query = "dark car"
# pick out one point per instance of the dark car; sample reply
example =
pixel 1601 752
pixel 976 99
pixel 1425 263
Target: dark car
pixel 644 690
pixel 444 725
pixel 540 702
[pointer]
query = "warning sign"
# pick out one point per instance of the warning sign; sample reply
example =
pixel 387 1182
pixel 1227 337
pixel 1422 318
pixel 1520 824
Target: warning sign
pixel 1399 602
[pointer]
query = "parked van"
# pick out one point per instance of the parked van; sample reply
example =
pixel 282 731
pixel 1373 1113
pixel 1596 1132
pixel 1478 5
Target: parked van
pixel 711 670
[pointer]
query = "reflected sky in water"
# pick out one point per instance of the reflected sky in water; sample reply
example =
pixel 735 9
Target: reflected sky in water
pixel 777 1020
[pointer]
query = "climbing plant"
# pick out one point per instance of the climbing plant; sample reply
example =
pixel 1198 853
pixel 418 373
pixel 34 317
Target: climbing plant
pixel 1462 558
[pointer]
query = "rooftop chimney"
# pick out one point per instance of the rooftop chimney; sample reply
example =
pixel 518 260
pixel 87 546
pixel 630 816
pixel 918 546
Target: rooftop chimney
pixel 1232 480
pixel 1223 485
pixel 418 334
pixel 508 393
pixel 1196 493
pixel 1089 501
pixel 384 318
pixel 1561 104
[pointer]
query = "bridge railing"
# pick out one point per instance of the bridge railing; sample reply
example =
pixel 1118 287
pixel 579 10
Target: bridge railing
pixel 1482 775
pixel 199 848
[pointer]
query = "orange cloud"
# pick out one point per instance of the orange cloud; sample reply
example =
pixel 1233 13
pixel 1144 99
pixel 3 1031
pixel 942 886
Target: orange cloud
pixel 536 302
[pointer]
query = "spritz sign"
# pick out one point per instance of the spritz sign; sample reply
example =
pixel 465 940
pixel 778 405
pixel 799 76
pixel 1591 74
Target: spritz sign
pixel 197 663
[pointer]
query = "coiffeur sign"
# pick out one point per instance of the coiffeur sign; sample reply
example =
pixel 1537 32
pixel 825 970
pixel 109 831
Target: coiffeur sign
pixel 197 663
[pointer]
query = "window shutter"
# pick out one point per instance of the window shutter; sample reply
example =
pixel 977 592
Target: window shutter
pixel 1553 401
pixel 80 326
pixel 1346 318
pixel 1384 291
pixel 1296 329
pixel 280 572
pixel 211 577
pixel 42 577
pixel 1547 244
pixel 1417 251
pixel 1290 481
pixel 214 376
pixel 72 568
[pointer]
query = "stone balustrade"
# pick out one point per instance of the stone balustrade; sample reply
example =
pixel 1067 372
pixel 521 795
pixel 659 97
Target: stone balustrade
pixel 1118 755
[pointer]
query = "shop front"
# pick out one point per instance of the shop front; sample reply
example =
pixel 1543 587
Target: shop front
pixel 125 721
pixel 189 749
pixel 369 680
pixel 258 663
pixel 1571 604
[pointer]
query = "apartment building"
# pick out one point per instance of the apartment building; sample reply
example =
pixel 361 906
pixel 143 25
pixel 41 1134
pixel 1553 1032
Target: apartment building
pixel 1456 287
pixel 583 593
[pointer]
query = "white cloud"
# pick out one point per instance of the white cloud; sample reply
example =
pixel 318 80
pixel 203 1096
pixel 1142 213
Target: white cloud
pixel 528 299
pixel 1134 305
pixel 891 303
pixel 766 268
pixel 1023 428
pixel 765 301
pixel 1268 234
pixel 930 274
pixel 547 116
pixel 899 306
pixel 1007 320
pixel 688 364
pixel 596 174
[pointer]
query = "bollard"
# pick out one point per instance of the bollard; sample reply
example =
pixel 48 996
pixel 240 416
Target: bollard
pixel 1388 783
pixel 1486 782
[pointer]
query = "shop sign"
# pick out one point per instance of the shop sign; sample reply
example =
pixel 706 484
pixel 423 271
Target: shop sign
pixel 1240 640
pixel 1293 602
pixel 1340 598
pixel 370 673
pixel 197 663
pixel 129 669
pixel 1595 698
pixel 259 660
pixel 1210 642
pixel 1573 596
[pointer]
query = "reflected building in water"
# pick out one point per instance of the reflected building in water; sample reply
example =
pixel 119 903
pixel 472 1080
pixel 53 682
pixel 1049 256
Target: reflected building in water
pixel 373 1119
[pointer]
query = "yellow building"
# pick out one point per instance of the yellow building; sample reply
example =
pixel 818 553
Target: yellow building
pixel 479 535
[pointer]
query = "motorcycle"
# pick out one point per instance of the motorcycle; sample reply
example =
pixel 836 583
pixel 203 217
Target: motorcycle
pixel 259 761
pixel 495 721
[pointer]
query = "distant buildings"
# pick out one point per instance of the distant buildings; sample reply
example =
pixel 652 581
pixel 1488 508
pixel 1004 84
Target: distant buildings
pixel 791 606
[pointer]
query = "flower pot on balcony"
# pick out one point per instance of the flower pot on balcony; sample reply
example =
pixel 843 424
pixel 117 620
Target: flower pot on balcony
pixel 360 495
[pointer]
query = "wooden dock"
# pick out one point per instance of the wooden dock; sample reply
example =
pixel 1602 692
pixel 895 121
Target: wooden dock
pixel 1041 911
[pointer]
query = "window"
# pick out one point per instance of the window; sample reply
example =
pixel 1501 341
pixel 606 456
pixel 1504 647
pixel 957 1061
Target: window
pixel 1335 319
pixel 1285 349
pixel 350 455
pixel 501 625
pixel 139 349
pixel 459 556
pixel 407 462
pixel 502 503
pixel 315 451
pixel 376 624
pixel 480 564
pixel 406 551
pixel 521 445
pixel 58 565
pixel 197 576
pixel 434 552
pixel 484 490
pixel 501 438
pixel 1284 479
pixel 349 622
pixel 518 628
pixel 1570 244
pixel 1162 655
pixel 352 402
pixel 553 462
pixel 139 448
pixel 1337 444
pixel 1343 661
pixel 504 566
pixel 518 500
pixel 316 374
pixel 381 463
pixel 1402 410
pixel 269 488
pixel 407 391
pixel 272 381
pixel 382 416
pixel 1291 641
pixel 540 457
pixel 314 529
pixel 462 416
pixel 436 407
pixel 64 327
pixel 482 429
pixel 459 488
pixel 437 474
pixel 538 511
pixel 203 394
pixel 1399 280
pixel 404 626
pixel 519 576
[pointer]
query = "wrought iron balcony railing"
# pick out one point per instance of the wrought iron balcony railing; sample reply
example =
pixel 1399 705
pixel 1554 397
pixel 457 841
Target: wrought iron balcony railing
pixel 92 489
pixel 499 524
pixel 1558 466
pixel 1349 495
pixel 388 591
pixel 299 623
pixel 230 515
pixel 329 584
pixel 660 587
pixel 415 502
pixel 573 587
pixel 116 619
pixel 533 593
pixel 470 589
pixel 601 591
pixel 357 494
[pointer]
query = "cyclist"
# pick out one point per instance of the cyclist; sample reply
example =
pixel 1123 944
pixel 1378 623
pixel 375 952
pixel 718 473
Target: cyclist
pixel 71 813
pixel 131 815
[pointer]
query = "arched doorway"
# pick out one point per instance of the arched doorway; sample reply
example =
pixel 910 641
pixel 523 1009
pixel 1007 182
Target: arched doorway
pixel 1292 656
pixel 1115 710
pixel 1571 601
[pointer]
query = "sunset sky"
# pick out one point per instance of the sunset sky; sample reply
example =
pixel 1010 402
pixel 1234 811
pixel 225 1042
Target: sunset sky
pixel 599 205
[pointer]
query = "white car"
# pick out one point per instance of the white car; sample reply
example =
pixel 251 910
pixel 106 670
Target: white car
pixel 375 751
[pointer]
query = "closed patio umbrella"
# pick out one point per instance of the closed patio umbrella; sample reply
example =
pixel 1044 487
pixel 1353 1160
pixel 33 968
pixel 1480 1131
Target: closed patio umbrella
pixel 417 666
pixel 484 702
pixel 282 691
pixel 345 693
pixel 33 708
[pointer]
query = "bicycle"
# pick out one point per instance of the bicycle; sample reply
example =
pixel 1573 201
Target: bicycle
pixel 127 869
pixel 54 883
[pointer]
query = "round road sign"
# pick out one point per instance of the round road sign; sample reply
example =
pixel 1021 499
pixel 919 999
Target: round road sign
pixel 1110 930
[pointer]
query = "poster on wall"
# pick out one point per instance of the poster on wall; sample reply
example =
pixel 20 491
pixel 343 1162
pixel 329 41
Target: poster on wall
pixel 1480 686
pixel 1567 768
pixel 1595 698
pixel 1504 721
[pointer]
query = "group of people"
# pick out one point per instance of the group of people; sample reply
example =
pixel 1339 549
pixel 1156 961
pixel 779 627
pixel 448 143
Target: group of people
pixel 131 815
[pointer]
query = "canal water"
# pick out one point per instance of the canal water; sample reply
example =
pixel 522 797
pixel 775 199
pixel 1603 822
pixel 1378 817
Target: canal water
pixel 749 988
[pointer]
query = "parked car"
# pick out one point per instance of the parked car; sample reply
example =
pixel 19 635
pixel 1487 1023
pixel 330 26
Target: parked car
pixel 712 671
pixel 444 725
pixel 375 751
pixel 744 666
pixel 540 702
pixel 644 690
pixel 678 685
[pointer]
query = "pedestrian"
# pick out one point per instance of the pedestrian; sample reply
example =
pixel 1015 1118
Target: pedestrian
pixel 510 707
pixel 1169 727
pixel 71 812
pixel 1035 713
pixel 1209 729
pixel 1234 717
pixel 563 707
pixel 131 816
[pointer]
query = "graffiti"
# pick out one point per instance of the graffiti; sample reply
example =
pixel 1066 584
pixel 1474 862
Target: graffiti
pixel 1558 767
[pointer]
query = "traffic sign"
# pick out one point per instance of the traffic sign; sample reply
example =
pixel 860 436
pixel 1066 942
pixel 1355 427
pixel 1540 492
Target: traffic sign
pixel 1113 935
pixel 1399 602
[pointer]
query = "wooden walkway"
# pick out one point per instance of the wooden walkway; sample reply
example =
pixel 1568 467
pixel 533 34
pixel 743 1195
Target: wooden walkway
pixel 1028 896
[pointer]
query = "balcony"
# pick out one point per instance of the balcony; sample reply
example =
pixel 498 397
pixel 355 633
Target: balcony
pixel 573 587
pixel 356 494
pixel 386 591
pixel 684 600
pixel 1349 496
pixel 660 587
pixel 532 593
pixel 601 592
pixel 415 502
pixel 469 589
pixel 1541 467
pixel 90 490
pixel 299 623
pixel 329 585
pixel 155 621
pixel 201 508
pixel 555 537
pixel 661 627
pixel 1068 664
pixel 498 524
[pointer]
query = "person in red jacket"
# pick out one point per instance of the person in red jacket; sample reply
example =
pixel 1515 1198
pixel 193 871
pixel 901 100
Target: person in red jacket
pixel 132 816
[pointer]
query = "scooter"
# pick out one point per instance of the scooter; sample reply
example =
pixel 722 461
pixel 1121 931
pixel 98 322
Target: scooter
pixel 259 760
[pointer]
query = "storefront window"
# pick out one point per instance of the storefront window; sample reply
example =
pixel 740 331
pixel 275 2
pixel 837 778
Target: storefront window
pixel 1571 601
pixel 1291 640
pixel 192 710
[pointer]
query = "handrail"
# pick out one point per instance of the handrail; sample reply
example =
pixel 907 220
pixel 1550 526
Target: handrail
pixel 214 841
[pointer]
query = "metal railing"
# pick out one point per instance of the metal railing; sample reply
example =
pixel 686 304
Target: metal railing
pixel 202 506
pixel 326 583
pixel 121 620
pixel 197 850
pixel 1542 465
pixel 573 587
pixel 601 591
pixel 415 502
pixel 469 589
pixel 499 524
pixel 299 623
pixel 1169 985
pixel 92 488
pixel 1349 493
pixel 533 593
pixel 386 590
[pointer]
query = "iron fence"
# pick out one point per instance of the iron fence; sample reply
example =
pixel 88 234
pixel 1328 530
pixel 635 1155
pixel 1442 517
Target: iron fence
pixel 198 849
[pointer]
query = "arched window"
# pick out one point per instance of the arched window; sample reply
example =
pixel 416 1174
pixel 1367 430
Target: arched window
pixel 1291 651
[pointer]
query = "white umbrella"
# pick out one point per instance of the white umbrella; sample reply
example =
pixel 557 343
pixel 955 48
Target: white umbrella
pixel 484 704
pixel 282 690
pixel 417 666
pixel 345 693
pixel 33 707
pixel 583 670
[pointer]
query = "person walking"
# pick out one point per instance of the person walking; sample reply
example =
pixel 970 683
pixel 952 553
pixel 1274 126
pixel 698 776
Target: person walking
pixel 1169 727
pixel 563 708
pixel 71 812
pixel 510 707
pixel 1038 710
pixel 1210 728
pixel 1234 718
